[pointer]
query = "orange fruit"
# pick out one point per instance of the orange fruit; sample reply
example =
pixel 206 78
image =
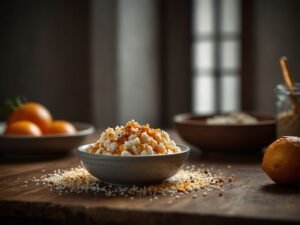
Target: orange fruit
pixel 61 127
pixel 281 161
pixel 33 112
pixel 23 127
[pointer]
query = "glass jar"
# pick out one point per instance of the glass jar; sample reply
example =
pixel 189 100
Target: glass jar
pixel 288 111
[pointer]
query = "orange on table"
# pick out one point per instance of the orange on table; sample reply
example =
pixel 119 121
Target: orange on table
pixel 23 127
pixel 281 161
pixel 61 127
pixel 33 112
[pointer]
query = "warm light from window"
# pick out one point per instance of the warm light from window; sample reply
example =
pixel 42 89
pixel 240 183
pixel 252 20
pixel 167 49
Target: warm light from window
pixel 216 56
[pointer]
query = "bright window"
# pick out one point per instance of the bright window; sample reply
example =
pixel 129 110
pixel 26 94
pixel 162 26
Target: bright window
pixel 216 56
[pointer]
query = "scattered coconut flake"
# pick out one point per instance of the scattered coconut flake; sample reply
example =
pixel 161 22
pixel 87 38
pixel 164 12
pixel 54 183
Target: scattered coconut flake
pixel 78 180
pixel 170 202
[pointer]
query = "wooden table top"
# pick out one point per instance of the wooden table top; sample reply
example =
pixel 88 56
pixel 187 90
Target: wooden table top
pixel 251 199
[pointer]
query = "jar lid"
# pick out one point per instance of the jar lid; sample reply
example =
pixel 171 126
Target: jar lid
pixel 282 89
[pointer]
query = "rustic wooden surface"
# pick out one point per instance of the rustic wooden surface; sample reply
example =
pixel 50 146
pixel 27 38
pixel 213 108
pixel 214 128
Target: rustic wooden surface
pixel 251 199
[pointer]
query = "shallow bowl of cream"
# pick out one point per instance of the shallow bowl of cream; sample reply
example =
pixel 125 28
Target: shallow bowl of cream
pixel 133 170
pixel 226 138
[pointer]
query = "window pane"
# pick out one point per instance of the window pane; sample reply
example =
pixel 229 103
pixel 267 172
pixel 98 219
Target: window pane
pixel 203 16
pixel 204 85
pixel 230 93
pixel 230 54
pixel 204 95
pixel 204 55
pixel 230 12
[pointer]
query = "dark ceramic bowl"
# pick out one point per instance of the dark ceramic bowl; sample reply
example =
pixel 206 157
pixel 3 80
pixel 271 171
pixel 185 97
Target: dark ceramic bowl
pixel 226 138
pixel 43 145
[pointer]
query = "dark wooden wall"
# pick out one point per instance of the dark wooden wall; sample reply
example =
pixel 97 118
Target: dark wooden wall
pixel 67 55
pixel 64 54
pixel 44 55
pixel 271 29
pixel 176 58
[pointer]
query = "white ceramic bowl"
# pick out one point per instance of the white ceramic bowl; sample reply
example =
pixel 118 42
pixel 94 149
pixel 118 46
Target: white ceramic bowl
pixel 133 170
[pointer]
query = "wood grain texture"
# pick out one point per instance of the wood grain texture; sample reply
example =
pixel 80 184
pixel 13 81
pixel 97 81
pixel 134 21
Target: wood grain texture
pixel 251 199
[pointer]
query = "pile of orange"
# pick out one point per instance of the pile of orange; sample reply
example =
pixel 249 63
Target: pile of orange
pixel 33 119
